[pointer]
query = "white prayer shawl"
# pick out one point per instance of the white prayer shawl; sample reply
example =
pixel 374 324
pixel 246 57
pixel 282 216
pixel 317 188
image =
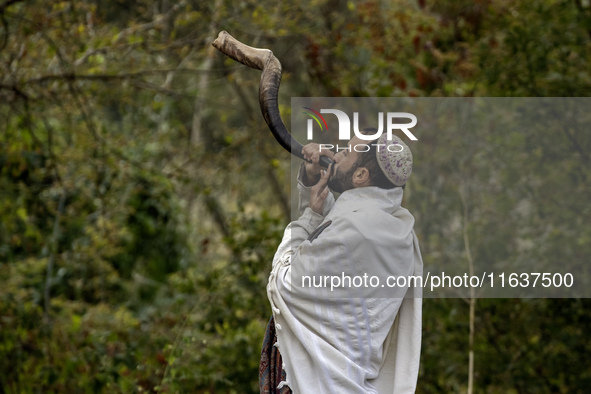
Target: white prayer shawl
pixel 349 344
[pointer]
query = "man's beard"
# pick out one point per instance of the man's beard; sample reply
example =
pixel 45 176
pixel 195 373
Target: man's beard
pixel 339 182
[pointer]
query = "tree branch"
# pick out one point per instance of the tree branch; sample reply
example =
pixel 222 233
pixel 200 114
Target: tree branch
pixel 7 4
pixel 472 299
pixel 157 22
pixel 53 248
pixel 106 77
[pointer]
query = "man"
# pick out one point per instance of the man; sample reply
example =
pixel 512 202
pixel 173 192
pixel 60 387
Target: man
pixel 336 334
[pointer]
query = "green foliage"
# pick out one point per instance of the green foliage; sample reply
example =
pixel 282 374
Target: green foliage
pixel 140 204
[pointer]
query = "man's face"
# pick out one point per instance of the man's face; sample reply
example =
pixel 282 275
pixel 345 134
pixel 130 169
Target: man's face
pixel 345 164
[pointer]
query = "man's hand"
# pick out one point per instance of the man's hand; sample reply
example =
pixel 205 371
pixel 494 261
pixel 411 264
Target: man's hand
pixel 319 192
pixel 312 154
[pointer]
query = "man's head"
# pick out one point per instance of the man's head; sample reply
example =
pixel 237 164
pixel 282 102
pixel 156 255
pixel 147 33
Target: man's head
pixel 372 163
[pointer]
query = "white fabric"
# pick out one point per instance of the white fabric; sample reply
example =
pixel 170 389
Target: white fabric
pixel 349 344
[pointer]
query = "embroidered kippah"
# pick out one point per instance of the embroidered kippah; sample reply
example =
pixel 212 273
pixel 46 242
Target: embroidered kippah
pixel 395 159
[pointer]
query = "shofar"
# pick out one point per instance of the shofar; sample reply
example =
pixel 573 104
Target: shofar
pixel 263 59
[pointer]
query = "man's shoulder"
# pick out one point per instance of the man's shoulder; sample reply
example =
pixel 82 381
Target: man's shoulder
pixel 371 224
pixel 373 215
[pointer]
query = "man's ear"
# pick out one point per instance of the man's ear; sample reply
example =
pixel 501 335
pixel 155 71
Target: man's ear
pixel 361 177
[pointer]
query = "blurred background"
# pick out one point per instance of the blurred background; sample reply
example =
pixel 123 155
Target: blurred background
pixel 142 198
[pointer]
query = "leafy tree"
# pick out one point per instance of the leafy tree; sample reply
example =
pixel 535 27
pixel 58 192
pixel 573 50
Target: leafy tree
pixel 141 198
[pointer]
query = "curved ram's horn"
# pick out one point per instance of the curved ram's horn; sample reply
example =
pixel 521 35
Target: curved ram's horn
pixel 263 59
